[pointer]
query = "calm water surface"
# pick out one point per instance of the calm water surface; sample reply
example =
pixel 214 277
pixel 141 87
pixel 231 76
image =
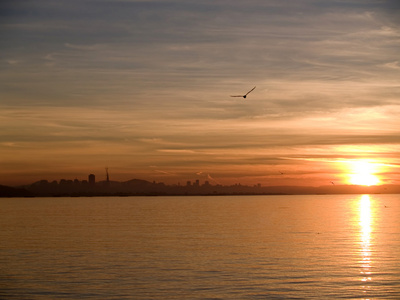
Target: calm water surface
pixel 233 247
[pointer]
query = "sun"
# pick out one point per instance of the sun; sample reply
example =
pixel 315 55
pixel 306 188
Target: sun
pixel 364 179
pixel 362 173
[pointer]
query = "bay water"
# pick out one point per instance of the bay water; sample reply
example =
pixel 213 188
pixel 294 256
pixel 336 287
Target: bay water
pixel 222 247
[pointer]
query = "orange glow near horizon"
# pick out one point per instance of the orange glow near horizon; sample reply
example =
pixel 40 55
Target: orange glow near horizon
pixel 363 172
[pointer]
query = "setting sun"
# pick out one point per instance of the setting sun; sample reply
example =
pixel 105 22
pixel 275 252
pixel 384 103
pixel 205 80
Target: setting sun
pixel 362 173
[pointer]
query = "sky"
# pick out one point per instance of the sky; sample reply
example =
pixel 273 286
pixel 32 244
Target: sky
pixel 143 88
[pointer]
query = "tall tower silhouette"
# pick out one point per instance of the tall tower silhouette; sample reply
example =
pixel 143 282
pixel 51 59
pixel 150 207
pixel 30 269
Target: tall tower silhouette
pixel 108 178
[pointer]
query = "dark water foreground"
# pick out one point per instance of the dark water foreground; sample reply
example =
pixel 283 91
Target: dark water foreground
pixel 231 247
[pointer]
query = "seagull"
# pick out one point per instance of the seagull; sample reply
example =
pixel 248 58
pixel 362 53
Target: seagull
pixel 245 95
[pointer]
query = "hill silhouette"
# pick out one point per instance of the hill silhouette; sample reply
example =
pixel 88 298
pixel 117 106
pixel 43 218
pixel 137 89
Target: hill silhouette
pixel 7 191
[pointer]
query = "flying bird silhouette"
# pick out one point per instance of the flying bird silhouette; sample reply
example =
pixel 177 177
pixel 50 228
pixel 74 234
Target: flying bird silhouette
pixel 245 95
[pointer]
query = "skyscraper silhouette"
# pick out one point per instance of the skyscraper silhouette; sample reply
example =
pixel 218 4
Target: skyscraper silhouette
pixel 92 179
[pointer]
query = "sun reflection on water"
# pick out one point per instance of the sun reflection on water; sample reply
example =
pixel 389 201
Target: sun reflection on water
pixel 365 232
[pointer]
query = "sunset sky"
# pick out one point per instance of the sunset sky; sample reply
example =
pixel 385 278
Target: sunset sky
pixel 143 88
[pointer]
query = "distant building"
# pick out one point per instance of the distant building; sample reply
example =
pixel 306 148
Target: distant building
pixel 107 183
pixel 188 183
pixel 92 179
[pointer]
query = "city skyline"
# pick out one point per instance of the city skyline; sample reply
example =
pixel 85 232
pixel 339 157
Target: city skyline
pixel 138 187
pixel 144 88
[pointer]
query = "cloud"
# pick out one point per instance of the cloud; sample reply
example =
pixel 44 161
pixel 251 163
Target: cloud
pixel 148 82
pixel 393 65
pixel 165 172
pixel 82 47
pixel 151 48
pixel 12 61
pixel 177 151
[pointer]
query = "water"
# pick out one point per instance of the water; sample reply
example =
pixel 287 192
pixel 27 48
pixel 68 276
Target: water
pixel 232 247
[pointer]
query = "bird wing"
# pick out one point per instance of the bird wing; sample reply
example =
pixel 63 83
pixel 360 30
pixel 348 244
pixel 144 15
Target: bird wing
pixel 250 91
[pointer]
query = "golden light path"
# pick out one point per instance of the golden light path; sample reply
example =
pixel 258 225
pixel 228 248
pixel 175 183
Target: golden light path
pixel 365 233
